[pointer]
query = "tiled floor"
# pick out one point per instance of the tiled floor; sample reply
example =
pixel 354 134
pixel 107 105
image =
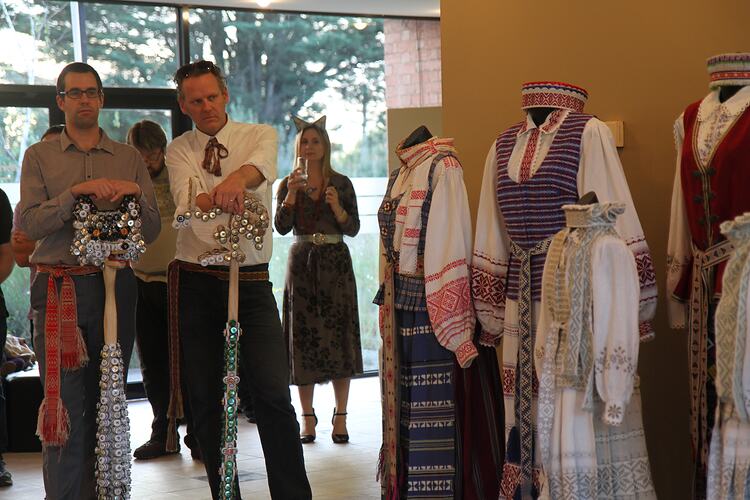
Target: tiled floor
pixel 335 471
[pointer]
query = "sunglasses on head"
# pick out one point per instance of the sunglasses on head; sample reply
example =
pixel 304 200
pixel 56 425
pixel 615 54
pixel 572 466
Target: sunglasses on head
pixel 196 68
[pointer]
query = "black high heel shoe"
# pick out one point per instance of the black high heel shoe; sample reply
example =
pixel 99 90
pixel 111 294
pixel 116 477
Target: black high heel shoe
pixel 339 438
pixel 308 438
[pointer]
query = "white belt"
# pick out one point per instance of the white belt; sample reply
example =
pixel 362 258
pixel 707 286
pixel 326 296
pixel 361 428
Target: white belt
pixel 319 238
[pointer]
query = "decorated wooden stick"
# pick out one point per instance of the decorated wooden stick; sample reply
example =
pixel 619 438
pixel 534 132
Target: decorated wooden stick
pixel 108 239
pixel 228 230
pixel 232 332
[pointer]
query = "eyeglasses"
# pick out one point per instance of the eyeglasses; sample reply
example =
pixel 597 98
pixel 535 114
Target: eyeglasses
pixel 75 93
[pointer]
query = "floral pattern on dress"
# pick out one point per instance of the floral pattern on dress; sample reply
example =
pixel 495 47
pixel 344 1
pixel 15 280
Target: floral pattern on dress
pixel 320 313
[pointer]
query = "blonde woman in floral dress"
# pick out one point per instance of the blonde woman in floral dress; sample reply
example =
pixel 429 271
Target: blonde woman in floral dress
pixel 321 320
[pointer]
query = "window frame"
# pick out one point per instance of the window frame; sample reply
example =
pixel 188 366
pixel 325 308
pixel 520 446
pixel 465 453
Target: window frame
pixel 147 98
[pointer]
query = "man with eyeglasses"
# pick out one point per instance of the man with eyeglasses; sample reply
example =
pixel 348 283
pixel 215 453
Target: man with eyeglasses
pixel 83 161
pixel 223 159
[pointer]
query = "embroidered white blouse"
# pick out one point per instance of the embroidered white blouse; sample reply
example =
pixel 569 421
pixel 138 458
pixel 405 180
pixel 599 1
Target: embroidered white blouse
pixel 729 458
pixel 447 249
pixel 577 449
pixel 615 292
pixel 714 119
pixel 599 170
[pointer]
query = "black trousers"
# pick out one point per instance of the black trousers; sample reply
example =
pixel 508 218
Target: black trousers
pixel 152 338
pixel 243 390
pixel 203 314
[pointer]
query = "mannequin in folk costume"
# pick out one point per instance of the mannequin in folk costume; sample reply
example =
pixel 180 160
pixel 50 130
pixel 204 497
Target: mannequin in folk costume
pixel 710 187
pixel 591 434
pixel 427 322
pixel 531 171
pixel 729 456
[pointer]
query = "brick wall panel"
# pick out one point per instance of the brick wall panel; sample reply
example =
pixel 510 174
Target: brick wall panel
pixel 412 63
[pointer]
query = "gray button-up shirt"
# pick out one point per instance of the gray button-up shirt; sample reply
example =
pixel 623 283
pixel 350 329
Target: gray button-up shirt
pixel 50 169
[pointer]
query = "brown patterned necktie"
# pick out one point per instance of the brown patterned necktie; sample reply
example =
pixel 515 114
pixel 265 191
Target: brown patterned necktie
pixel 214 153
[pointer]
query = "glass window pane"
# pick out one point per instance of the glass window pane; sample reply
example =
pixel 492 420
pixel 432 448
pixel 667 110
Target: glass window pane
pixel 117 122
pixel 37 41
pixel 281 64
pixel 19 128
pixel 16 290
pixel 131 45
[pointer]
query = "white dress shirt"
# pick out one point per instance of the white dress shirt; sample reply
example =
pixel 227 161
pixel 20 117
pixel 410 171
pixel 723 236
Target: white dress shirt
pixel 248 144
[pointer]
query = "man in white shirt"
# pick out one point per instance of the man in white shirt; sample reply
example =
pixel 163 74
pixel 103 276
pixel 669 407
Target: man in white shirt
pixel 224 159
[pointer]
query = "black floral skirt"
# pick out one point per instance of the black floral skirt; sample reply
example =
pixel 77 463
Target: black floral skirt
pixel 321 320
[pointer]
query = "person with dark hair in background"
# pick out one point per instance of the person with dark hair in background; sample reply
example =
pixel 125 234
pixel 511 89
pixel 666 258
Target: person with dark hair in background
pixel 152 312
pixel 6 266
pixel 85 161
pixel 20 242
pixel 224 160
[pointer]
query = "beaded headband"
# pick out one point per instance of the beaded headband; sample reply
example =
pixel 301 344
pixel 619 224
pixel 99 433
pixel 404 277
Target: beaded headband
pixel 553 95
pixel 729 69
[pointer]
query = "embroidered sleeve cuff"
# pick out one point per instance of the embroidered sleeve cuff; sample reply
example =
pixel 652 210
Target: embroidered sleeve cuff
pixel 613 413
pixel 646 331
pixel 466 353
pixel 677 313
pixel 487 339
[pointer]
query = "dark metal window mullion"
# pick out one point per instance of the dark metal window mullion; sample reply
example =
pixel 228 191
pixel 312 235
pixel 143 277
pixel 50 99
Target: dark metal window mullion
pixel 183 34
pixel 78 16
pixel 180 122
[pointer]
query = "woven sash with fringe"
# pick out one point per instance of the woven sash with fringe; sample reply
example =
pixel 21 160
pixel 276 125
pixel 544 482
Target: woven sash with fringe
pixel 64 349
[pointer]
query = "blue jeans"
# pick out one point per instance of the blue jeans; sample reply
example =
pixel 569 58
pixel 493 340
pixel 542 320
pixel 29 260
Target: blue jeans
pixel 69 470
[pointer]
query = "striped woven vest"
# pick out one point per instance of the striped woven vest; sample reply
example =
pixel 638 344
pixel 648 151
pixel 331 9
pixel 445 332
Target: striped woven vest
pixel 533 209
